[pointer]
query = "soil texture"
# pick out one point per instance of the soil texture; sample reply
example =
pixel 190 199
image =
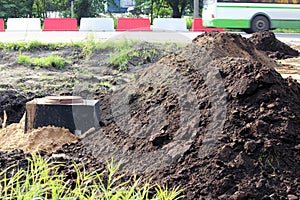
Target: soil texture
pixel 232 133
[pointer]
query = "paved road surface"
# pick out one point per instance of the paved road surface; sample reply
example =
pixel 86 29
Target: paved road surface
pixel 185 37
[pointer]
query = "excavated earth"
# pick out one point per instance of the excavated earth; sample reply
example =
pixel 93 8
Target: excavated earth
pixel 214 118
pixel 267 42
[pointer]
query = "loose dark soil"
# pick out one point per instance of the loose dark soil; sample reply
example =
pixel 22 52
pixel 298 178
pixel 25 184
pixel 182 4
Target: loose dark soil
pixel 214 118
pixel 13 103
pixel 266 41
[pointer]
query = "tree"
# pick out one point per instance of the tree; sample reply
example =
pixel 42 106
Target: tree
pixel 163 8
pixel 39 9
pixel 178 7
pixel 88 8
pixel 154 8
pixel 13 8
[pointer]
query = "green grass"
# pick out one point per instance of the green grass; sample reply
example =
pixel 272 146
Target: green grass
pixel 119 59
pixel 52 60
pixel 87 45
pixel 43 180
pixel 19 46
pixel 124 52
pixel 105 84
pixel 286 30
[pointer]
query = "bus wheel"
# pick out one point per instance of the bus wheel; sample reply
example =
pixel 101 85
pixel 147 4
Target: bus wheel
pixel 260 23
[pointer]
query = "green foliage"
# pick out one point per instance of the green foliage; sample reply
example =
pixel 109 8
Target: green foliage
pixel 39 8
pixel 117 45
pixel 52 60
pixel 178 7
pixel 105 84
pixel 43 180
pixel 19 46
pixel 165 8
pixel 20 8
pixel 119 59
pixel 88 8
pixel 189 22
pixel 88 46
pixel 122 56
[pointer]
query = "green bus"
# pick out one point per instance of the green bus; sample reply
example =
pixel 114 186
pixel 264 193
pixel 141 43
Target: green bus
pixel 251 15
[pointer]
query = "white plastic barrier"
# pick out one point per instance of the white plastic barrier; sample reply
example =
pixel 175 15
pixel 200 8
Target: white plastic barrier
pixel 96 24
pixel 169 24
pixel 23 24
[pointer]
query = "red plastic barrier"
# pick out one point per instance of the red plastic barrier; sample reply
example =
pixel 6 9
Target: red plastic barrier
pixel 198 26
pixel 133 24
pixel 60 24
pixel 1 25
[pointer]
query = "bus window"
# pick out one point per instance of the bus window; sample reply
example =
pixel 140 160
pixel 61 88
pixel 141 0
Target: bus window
pixel 208 2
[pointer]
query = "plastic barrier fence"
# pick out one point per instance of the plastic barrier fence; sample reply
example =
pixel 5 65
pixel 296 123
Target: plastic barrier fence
pixel 97 24
pixel 169 24
pixel 60 24
pixel 1 25
pixel 198 26
pixel 23 24
pixel 133 24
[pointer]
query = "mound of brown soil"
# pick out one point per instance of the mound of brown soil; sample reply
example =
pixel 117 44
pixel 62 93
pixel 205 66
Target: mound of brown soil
pixel 214 118
pixel 266 41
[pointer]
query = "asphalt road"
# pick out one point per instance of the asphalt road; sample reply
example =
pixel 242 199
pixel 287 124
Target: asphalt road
pixel 71 36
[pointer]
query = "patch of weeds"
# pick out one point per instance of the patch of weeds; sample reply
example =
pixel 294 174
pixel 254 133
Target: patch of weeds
pixel 119 59
pixel 19 46
pixel 88 46
pixel 143 55
pixel 23 59
pixel 43 180
pixel 25 87
pixel 55 61
pixel 105 84
pixel 269 163
pixel 117 45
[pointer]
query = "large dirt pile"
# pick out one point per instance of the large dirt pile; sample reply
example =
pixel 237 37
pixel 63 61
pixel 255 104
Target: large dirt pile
pixel 214 118
pixel 266 41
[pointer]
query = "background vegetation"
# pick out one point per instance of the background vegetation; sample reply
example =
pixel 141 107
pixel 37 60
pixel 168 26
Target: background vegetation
pixel 91 8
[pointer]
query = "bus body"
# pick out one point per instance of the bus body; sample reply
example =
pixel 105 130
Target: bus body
pixel 251 15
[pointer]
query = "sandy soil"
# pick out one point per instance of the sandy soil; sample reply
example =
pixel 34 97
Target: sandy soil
pixel 290 66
